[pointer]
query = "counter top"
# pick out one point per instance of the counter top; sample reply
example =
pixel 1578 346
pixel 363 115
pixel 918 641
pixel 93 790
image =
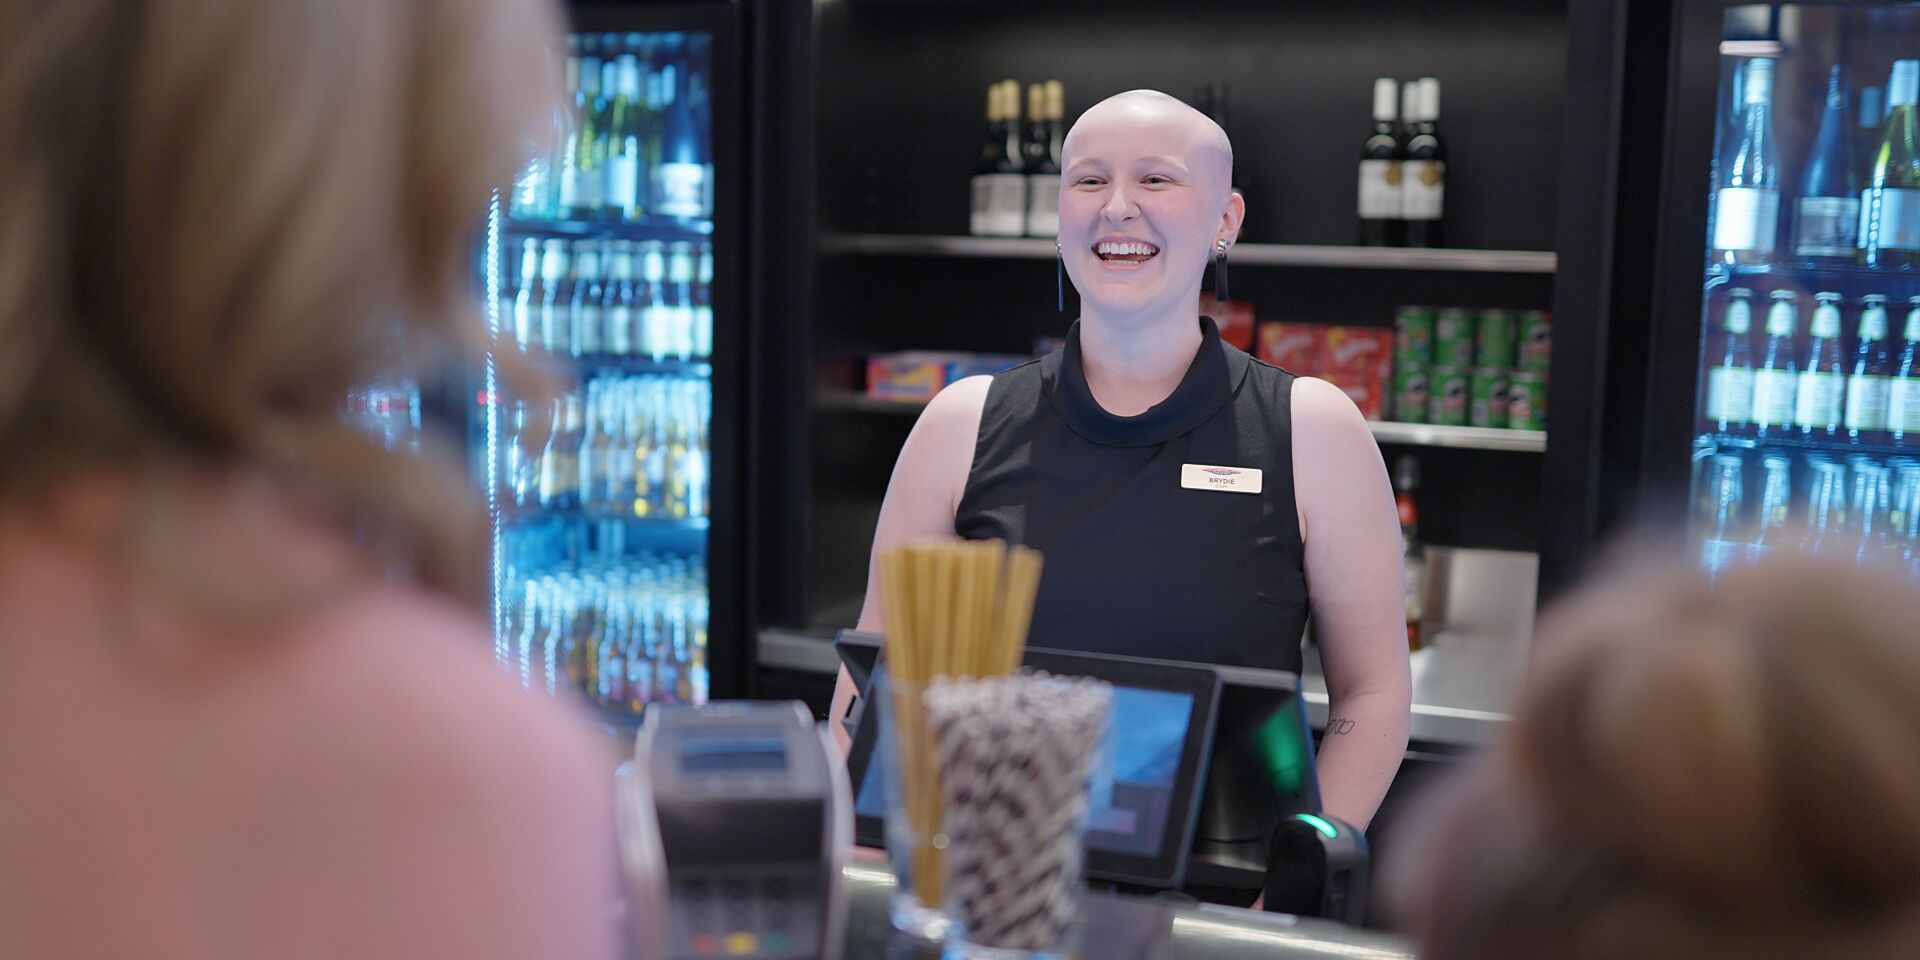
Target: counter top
pixel 1136 928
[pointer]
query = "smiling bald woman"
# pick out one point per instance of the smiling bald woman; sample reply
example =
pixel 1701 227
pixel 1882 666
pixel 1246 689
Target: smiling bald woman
pixel 1192 502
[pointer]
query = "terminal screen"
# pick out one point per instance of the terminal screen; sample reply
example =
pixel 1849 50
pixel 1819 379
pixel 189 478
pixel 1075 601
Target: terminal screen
pixel 732 753
pixel 1132 795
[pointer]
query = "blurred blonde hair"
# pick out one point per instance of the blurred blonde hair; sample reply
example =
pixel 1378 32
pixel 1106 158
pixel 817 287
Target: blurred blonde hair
pixel 1700 773
pixel 219 216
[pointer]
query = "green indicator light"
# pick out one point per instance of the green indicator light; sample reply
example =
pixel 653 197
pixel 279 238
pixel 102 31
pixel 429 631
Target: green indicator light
pixel 1324 827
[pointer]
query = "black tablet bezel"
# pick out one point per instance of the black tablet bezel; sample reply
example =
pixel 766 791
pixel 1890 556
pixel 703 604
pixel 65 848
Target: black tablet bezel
pixel 1166 868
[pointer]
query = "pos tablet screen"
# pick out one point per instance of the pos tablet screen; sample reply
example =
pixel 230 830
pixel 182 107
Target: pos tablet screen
pixel 1141 818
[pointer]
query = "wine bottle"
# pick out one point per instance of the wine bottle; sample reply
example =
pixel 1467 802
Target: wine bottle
pixel 1747 201
pixel 1866 129
pixel 1777 376
pixel 1729 405
pixel 1380 158
pixel 1818 396
pixel 999 186
pixel 680 178
pixel 1890 205
pixel 1042 166
pixel 576 182
pixel 1827 215
pixel 1903 394
pixel 1423 177
pixel 1872 374
pixel 624 173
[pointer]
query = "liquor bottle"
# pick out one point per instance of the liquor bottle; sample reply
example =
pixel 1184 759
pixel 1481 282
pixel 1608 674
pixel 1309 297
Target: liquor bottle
pixel 1903 394
pixel 999 187
pixel 680 178
pixel 1776 500
pixel 625 172
pixel 617 315
pixel 1827 215
pixel 527 299
pixel 679 300
pixel 1775 380
pixel 1869 381
pixel 1747 201
pixel 1729 405
pixel 1380 158
pixel 1423 176
pixel 1042 165
pixel 593 448
pixel 551 332
pixel 1406 479
pixel 589 334
pixel 703 304
pixel 1890 206
pixel 1822 388
pixel 656 319
pixel 583 77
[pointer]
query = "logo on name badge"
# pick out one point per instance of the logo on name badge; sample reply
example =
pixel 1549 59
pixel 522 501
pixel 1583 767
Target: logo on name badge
pixel 1201 476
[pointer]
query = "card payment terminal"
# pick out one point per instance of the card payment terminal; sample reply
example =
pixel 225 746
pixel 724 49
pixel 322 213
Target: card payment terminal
pixel 735 819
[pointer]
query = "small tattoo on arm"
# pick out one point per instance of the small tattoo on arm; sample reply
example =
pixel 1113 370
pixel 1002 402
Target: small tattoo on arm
pixel 1338 725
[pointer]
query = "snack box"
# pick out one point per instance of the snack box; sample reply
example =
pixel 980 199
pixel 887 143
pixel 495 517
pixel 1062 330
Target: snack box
pixel 919 374
pixel 1233 317
pixel 1357 353
pixel 1295 346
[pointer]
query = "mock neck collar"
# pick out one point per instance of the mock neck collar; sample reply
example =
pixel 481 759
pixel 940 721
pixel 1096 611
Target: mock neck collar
pixel 1210 381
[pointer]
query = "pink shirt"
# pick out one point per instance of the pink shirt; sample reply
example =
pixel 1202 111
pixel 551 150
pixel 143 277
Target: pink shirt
pixel 359 782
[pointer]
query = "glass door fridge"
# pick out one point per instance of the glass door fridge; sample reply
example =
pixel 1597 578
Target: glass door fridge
pixel 1805 431
pixel 608 262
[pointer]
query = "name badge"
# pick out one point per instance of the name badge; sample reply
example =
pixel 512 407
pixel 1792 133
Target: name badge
pixel 1200 476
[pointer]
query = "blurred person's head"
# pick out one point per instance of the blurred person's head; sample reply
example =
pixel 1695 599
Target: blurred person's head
pixel 219 216
pixel 1700 773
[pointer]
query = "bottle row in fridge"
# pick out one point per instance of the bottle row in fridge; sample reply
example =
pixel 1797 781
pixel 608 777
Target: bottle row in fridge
pixel 623 631
pixel 1748 503
pixel 613 299
pixel 1809 375
pixel 633 140
pixel 635 448
pixel 1856 198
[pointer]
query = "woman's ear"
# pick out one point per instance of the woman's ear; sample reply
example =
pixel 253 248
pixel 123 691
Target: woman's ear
pixel 1232 217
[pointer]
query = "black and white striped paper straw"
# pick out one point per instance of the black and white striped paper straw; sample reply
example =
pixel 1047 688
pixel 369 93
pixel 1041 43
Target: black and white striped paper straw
pixel 1014 754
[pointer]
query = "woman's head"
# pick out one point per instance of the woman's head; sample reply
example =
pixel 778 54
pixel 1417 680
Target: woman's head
pixel 1146 196
pixel 1696 773
pixel 220 215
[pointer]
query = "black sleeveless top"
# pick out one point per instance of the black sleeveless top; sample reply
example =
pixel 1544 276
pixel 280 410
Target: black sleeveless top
pixel 1146 554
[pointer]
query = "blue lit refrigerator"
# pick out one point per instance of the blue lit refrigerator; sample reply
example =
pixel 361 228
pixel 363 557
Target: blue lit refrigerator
pixel 1806 410
pixel 611 263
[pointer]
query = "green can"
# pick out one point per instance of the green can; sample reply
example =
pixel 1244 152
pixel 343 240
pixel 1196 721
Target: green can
pixel 1410 393
pixel 1536 342
pixel 1447 392
pixel 1453 338
pixel 1412 337
pixel 1527 401
pixel 1487 398
pixel 1493 340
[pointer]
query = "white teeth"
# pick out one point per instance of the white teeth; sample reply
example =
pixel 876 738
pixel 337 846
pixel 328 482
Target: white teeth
pixel 1125 249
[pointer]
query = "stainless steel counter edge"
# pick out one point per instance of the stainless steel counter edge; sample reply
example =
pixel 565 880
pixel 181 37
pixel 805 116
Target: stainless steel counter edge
pixel 1444 677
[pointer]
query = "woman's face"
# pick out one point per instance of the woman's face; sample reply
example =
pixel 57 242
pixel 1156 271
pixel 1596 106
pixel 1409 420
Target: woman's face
pixel 1144 198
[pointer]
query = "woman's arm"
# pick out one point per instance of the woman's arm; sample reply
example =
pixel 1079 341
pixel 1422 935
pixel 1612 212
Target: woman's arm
pixel 928 479
pixel 1356 586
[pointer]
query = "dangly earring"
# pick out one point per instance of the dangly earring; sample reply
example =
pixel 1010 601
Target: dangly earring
pixel 1220 270
pixel 1059 277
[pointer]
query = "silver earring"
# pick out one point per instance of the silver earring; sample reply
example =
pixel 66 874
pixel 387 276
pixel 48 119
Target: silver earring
pixel 1059 277
pixel 1220 270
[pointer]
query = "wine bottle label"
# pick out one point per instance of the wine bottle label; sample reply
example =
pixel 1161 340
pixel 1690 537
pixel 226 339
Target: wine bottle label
pixel 1746 218
pixel 1006 204
pixel 1730 394
pixel 524 324
pixel 1827 227
pixel 1890 218
pixel 656 331
pixel 1903 404
pixel 703 330
pixel 1043 204
pixel 1379 189
pixel 552 332
pixel 982 203
pixel 680 189
pixel 623 184
pixel 1867 402
pixel 1817 402
pixel 681 317
pixel 1773 397
pixel 586 329
pixel 1423 188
